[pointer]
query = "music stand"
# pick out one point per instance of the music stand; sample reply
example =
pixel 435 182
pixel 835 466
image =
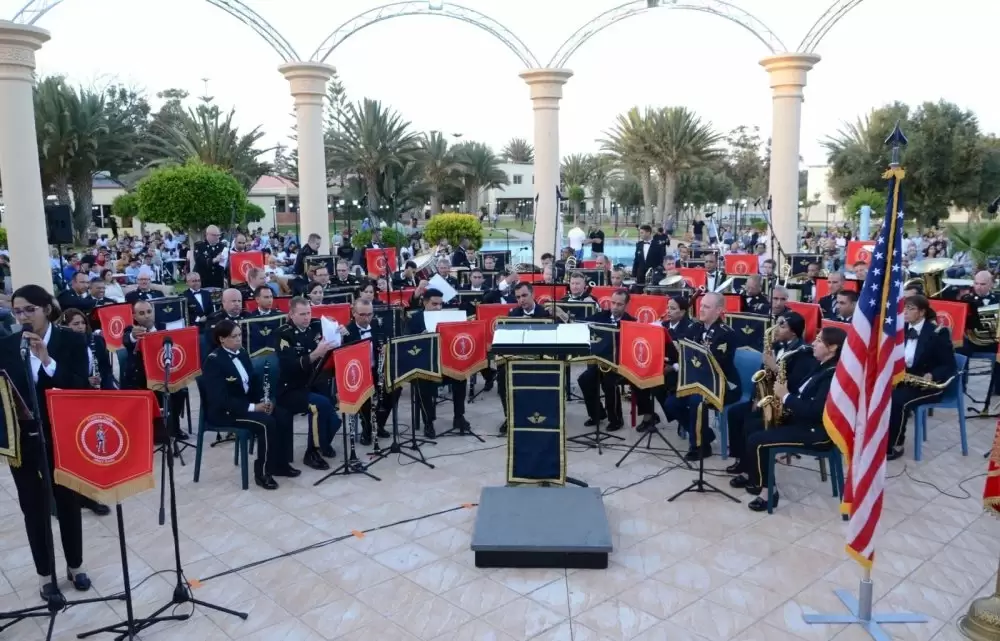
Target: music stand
pixel 351 465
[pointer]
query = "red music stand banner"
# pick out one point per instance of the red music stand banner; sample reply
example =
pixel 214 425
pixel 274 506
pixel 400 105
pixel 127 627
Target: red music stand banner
pixel 741 264
pixel 490 312
pixel 352 366
pixel 603 294
pixel 397 297
pixel 811 313
pixel 283 304
pixel 185 363
pixel 643 348
pixel 340 312
pixel 463 348
pixel 859 250
pixel 240 264
pixel 695 276
pixel 376 261
pixel 953 315
pixel 102 441
pixel 826 322
pixel 548 292
pixel 647 308
pixel 114 319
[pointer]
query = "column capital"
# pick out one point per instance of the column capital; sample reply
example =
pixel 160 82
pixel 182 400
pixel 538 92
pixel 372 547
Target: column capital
pixel 546 84
pixel 18 44
pixel 787 72
pixel 307 79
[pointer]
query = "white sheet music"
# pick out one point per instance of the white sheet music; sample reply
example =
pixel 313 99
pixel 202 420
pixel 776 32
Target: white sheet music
pixel 447 291
pixel 331 331
pixel 431 319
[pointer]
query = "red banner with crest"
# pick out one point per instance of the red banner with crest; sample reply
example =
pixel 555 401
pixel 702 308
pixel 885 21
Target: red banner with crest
pixel 859 250
pixel 811 313
pixel 953 315
pixel 490 312
pixel 102 441
pixel 113 320
pixel 397 297
pixel 340 312
pixel 378 261
pixel 647 308
pixel 643 348
pixel 352 366
pixel 548 292
pixel 741 264
pixel 826 322
pixel 463 348
pixel 991 490
pixel 185 363
pixel 695 276
pixel 603 295
pixel 240 264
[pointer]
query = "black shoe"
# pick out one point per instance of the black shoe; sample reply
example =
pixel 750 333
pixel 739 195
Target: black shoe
pixel 646 426
pixel 80 580
pixel 288 471
pixel 99 509
pixel 759 504
pixel 739 481
pixel 589 422
pixel 50 592
pixel 265 481
pixel 613 427
pixel 180 436
pixel 752 490
pixel 895 453
pixel 733 469
pixel 429 431
pixel 366 439
pixel 463 426
pixel 503 429
pixel 327 452
pixel 697 454
pixel 315 461
pixel 381 433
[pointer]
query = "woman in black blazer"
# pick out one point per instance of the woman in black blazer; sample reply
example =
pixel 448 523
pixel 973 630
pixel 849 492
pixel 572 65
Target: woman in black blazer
pixel 58 359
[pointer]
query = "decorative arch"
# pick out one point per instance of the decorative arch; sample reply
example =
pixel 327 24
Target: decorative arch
pixel 425 8
pixel 837 10
pixel 635 7
pixel 35 9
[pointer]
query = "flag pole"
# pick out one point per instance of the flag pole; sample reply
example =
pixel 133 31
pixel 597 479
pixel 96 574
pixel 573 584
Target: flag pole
pixel 860 608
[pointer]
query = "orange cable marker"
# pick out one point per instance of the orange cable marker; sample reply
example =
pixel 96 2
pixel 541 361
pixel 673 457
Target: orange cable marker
pixel 357 533
pixel 194 583
pixel 468 506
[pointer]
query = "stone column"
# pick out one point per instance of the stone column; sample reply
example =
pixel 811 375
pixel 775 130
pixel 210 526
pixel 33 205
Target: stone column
pixel 24 204
pixel 308 82
pixel 787 74
pixel 546 90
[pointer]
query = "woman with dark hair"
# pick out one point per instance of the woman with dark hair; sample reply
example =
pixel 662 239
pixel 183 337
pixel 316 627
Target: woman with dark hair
pixel 112 289
pixel 929 355
pixel 57 358
pixel 315 293
pixel 802 424
pixel 235 397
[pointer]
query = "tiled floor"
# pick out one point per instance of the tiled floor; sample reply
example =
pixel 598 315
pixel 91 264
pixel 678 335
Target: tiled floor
pixel 698 569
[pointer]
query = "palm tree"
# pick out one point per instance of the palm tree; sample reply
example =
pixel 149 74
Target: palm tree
pixel 857 153
pixel 479 170
pixel 627 144
pixel 602 174
pixel 518 150
pixel 370 140
pixel 439 166
pixel 575 173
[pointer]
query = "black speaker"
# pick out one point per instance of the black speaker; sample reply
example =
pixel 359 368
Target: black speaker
pixel 59 224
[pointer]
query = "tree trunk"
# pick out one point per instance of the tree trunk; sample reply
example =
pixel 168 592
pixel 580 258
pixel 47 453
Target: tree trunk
pixel 83 198
pixel 472 201
pixel 372 189
pixel 647 196
pixel 435 202
pixel 61 187
pixel 575 208
pixel 598 197
pixel 669 195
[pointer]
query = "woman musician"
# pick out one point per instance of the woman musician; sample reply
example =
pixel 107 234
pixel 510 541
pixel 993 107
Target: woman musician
pixel 930 366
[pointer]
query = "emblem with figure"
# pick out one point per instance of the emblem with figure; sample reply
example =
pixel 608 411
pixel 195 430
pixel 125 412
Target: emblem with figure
pixel 102 440
pixel 353 374
pixel 462 347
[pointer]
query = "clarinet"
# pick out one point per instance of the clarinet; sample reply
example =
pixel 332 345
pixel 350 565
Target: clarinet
pixel 94 371
pixel 266 382
pixel 352 428
pixel 377 401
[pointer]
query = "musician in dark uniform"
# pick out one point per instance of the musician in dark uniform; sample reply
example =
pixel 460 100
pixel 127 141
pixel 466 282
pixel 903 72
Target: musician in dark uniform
pixel 578 292
pixel 930 357
pixel 232 309
pixel 808 286
pixel 344 277
pixel 311 248
pixel 714 277
pixel 593 381
pixel 847 301
pixel 981 296
pixel 77 296
pixel 504 291
pixel 677 324
pixel 460 257
pixel 683 256
pixel 427 390
pixel 264 297
pixel 444 271
pixel 526 308
pixel 779 302
pixel 754 300
pixel 199 301
pixel 828 303
pixel 58 359
pixel 235 396
pixel 359 329
pixel 210 258
pixel 803 411
pixel 406 278
pixel 97 289
pixel 143 291
pixel 647 254
pixel 719 337
pixel 306 386
pixel 663 270
pixel 255 279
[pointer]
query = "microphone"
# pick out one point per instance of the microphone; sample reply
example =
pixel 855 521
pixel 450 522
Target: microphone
pixel 168 351
pixel 25 343
pixel 992 209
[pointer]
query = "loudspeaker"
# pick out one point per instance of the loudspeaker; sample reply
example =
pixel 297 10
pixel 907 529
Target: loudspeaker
pixel 59 224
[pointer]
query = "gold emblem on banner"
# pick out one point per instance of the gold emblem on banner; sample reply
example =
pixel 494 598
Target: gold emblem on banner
pixel 594 339
pixel 167 309
pixel 265 331
pixel 413 351
pixel 230 379
pixel 536 418
pixel 747 330
pixel 695 362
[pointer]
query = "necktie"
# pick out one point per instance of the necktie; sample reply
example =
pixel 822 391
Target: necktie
pixel 911 334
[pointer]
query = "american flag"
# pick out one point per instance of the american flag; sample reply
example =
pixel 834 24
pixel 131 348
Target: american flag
pixel 856 415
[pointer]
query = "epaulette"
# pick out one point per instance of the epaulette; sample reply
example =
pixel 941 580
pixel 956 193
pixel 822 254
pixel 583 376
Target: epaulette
pixel 212 355
pixel 725 327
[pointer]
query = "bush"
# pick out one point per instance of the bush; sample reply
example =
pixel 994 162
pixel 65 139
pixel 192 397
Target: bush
pixel 252 213
pixel 3 238
pixel 125 206
pixel 390 238
pixel 189 197
pixel 454 227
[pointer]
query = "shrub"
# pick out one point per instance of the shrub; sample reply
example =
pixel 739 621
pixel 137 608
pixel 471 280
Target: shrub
pixel 390 238
pixel 3 238
pixel 252 212
pixel 190 197
pixel 454 227
pixel 125 206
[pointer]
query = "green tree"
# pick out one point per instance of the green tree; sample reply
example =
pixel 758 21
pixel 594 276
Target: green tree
pixel 454 227
pixel 126 205
pixel 479 170
pixel 603 173
pixel 171 112
pixel 873 198
pixel 704 185
pixel 518 150
pixel 745 162
pixel 989 178
pixel 627 191
pixel 980 240
pixel 190 197
pixel 575 172
pixel 628 143
pixel 439 165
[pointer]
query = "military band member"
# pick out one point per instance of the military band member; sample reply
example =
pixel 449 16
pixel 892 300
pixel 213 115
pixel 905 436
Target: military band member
pixel 677 324
pixel 209 258
pixel 667 267
pixel 427 390
pixel 235 397
pixel 232 309
pixel 847 301
pixel 144 290
pixel 524 295
pixel 255 278
pixel 808 287
pixel 504 291
pixel 315 293
pixel 264 297
pixel 647 254
pixel 359 329
pixel 406 278
pixel 860 271
pixel 77 296
pixel 768 275
pixel 344 276
pixel 714 277
pixel 803 407
pixel 579 292
pixel 311 248
pixel 460 257
pixel 306 385
pixel 593 381
pixel 199 301
pixel 683 256
pixel 98 290
pixel 477 281
pixel 779 302
pixel 981 296
pixel 828 303
pixel 754 300
pixel 444 271
pixel 929 355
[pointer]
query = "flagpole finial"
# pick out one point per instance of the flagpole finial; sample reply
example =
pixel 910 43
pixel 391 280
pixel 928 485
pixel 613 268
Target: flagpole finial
pixel 898 140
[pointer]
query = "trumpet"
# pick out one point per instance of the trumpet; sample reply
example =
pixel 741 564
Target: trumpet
pixel 922 383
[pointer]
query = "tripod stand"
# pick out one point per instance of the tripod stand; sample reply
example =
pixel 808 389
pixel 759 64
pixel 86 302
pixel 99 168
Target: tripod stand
pixel 647 436
pixel 700 485
pixel 414 445
pixel 454 430
pixel 351 464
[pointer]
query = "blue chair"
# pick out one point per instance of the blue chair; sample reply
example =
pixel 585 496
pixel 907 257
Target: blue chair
pixel 242 440
pixel 748 362
pixel 833 456
pixel 953 398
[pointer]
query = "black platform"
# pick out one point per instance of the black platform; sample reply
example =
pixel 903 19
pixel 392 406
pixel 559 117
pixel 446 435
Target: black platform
pixel 541 527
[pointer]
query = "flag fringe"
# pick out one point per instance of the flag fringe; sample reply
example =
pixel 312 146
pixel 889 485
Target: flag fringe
pixel 107 496
pixel 991 506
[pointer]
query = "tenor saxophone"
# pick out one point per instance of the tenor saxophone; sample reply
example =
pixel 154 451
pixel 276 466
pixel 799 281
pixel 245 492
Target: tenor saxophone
pixel 771 406
pixel 763 379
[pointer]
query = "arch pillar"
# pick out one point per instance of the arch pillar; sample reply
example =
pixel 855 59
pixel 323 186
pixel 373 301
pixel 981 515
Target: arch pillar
pixel 787 74
pixel 308 82
pixel 24 202
pixel 546 86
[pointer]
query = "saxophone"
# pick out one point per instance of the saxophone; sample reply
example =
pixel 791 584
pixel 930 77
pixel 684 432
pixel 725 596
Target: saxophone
pixel 379 394
pixel 771 406
pixel 763 379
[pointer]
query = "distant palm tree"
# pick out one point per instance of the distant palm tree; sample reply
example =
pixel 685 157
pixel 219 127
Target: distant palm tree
pixel 602 174
pixel 518 150
pixel 480 170
pixel 574 174
pixel 627 143
pixel 439 165
pixel 857 152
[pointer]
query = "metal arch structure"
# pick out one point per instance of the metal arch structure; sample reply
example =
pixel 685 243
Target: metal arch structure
pixel 837 10
pixel 632 8
pixel 425 8
pixel 35 9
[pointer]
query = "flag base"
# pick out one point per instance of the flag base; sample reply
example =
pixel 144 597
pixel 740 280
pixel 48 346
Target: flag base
pixel 982 621
pixel 861 613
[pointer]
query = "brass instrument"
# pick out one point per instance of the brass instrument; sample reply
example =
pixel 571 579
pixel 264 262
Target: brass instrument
pixel 985 335
pixel 647 275
pixel 763 379
pixel 930 275
pixel 669 281
pixel 94 371
pixel 570 263
pixel 921 383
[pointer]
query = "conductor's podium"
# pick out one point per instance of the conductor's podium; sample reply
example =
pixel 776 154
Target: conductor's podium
pixel 531 522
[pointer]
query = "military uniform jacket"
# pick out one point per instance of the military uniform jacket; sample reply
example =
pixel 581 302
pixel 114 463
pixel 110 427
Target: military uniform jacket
pixel 805 403
pixel 401 281
pixel 216 317
pixel 713 280
pixel 134 376
pixel 798 360
pixel 722 343
pixel 975 301
pixel 136 295
pixel 212 274
pixel 336 282
pixel 496 296
pixel 69 299
pixel 224 386
pixel 756 304
pixel 538 312
pixel 934 353
pixel 199 304
pixel 297 372
pixel 828 306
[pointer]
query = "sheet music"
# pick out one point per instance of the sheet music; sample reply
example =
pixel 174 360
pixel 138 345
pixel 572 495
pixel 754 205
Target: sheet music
pixel 431 319
pixel 573 333
pixel 331 331
pixel 177 324
pixel 508 336
pixel 447 291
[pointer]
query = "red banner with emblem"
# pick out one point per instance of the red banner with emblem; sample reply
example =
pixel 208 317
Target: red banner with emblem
pixel 811 313
pixel 102 441
pixel 397 297
pixel 352 366
pixel 603 295
pixel 859 250
pixel 240 264
pixel 113 320
pixel 378 261
pixel 826 322
pixel 733 303
pixel 340 312
pixel 283 304
pixel 548 292
pixel 185 360
pixel 643 348
pixel 463 348
pixel 490 312
pixel 647 308
pixel 741 264
pixel 695 276
pixel 953 315
pixel 823 287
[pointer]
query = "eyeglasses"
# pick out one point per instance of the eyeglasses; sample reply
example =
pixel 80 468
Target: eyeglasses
pixel 24 311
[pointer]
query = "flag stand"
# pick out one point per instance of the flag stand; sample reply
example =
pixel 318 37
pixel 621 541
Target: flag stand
pixel 861 612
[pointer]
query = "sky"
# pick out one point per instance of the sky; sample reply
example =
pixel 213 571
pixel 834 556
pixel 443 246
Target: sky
pixel 448 75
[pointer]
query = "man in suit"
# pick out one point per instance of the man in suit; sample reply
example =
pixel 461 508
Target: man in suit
pixel 460 257
pixel 311 248
pixel 647 254
pixel 714 277
pixel 524 295
pixel 343 278
pixel 803 427
pixel 427 390
pixel 144 290
pixel 210 258
pixel 255 278
pixel 232 309
pixel 847 300
pixel 828 303
pixel 359 329
pixel 199 301
pixel 754 300
pixel 504 291
pixel 264 297
pixel 779 302
pixel 77 296
pixel 406 278
pixel 97 290
pixel 593 381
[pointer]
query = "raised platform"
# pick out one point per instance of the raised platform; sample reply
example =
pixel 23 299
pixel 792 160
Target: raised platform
pixel 541 527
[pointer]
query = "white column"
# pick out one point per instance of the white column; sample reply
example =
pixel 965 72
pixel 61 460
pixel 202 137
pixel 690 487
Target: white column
pixel 787 74
pixel 546 90
pixel 24 204
pixel 308 82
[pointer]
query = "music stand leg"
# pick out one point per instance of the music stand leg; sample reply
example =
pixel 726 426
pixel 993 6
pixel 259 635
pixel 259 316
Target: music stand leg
pixel 396 448
pixel 701 486
pixel 647 436
pixel 351 465
pixel 454 431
